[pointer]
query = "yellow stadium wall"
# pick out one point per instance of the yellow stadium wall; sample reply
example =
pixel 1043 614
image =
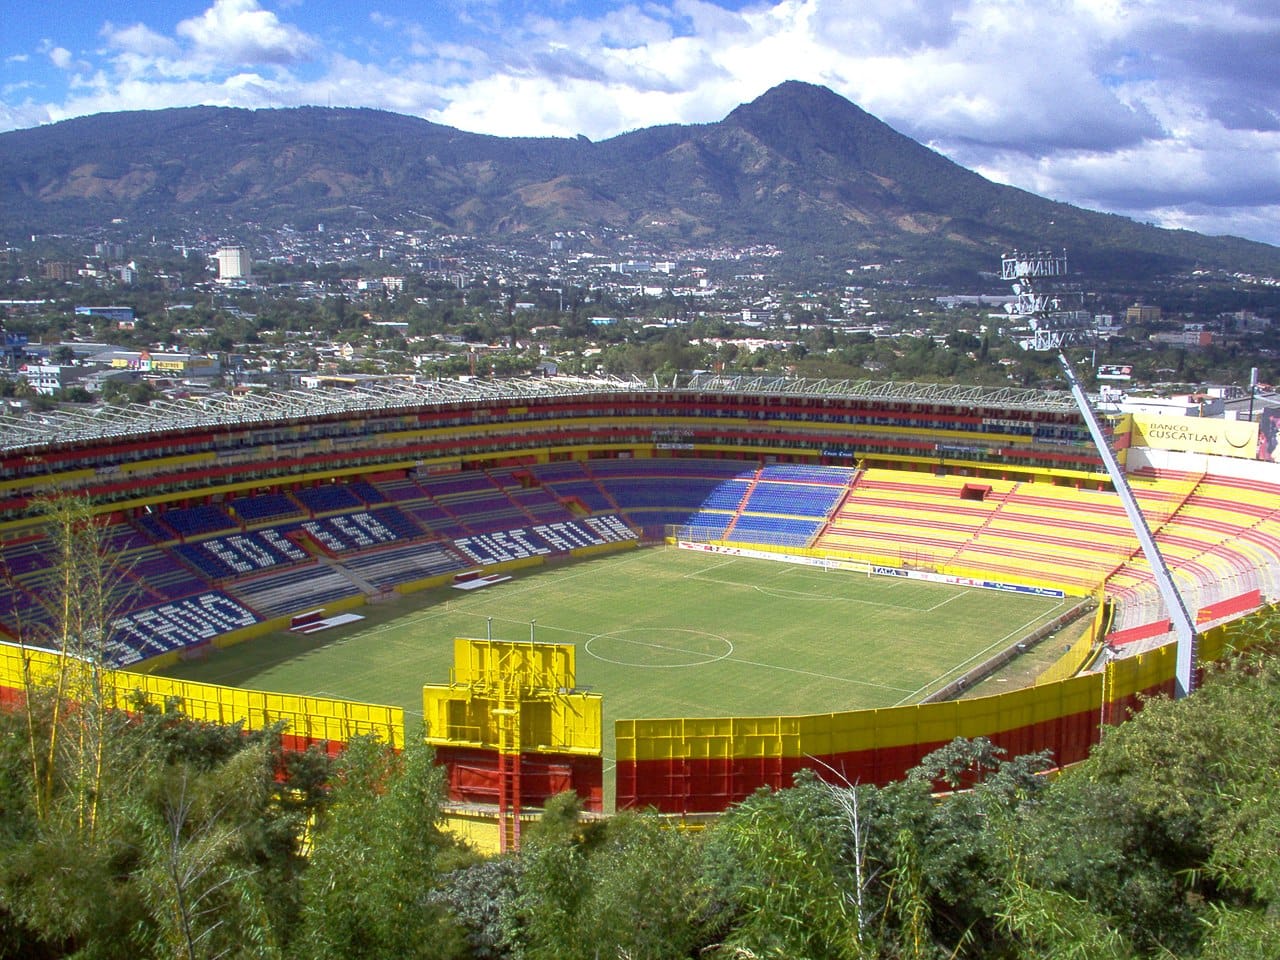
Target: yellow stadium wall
pixel 1078 654
pixel 690 766
pixel 306 719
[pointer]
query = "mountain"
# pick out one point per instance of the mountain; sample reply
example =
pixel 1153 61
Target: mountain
pixel 799 167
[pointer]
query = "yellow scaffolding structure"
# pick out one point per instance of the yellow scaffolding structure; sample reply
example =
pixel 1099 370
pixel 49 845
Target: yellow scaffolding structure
pixel 513 697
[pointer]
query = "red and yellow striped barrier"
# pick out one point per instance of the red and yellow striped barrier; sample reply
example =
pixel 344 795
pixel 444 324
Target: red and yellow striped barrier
pixel 688 766
pixel 307 720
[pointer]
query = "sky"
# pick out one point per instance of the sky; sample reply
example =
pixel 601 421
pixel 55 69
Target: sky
pixel 1167 111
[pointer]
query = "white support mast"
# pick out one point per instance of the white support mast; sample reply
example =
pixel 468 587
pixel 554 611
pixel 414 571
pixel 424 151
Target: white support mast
pixel 1052 329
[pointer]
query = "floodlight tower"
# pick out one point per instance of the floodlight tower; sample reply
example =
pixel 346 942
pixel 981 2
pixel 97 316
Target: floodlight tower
pixel 1051 328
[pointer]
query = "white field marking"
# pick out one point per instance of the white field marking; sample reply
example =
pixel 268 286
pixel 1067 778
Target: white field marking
pixel 435 613
pixel 893 583
pixel 820 676
pixel 706 657
pixel 530 584
pixel 697 574
pixel 943 603
pixel 806 673
pixel 733 659
pixel 958 668
pixel 888 583
pixel 957 593
pixel 782 593
pixel 730 658
pixel 542 579
pixel 541 625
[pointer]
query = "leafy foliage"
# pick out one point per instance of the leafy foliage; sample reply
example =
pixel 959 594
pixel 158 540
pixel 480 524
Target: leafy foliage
pixel 784 877
pixel 620 888
pixel 377 854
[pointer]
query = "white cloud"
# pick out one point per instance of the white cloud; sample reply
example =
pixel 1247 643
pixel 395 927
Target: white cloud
pixel 138 39
pixel 99 95
pixel 1251 222
pixel 61 58
pixel 240 32
pixel 1231 172
pixel 1132 105
pixel 18 115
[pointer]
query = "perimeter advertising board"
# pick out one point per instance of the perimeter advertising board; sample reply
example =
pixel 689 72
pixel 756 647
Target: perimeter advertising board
pixel 1209 436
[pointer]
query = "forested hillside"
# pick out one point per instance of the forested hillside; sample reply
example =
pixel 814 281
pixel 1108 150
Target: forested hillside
pixel 799 168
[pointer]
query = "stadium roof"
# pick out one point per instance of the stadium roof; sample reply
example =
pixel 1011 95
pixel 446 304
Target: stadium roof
pixel 72 425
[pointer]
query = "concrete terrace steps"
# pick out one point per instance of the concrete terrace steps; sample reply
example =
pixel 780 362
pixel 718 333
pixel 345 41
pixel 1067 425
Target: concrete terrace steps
pixel 1021 530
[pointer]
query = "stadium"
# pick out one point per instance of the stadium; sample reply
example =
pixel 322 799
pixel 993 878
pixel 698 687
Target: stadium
pixel 244 530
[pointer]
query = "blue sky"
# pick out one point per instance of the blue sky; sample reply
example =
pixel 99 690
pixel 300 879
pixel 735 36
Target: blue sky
pixel 1164 110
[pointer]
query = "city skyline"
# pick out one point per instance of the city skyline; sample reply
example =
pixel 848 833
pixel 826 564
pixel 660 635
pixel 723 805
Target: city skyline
pixel 1163 111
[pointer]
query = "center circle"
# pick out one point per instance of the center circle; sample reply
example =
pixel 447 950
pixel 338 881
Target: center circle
pixel 658 647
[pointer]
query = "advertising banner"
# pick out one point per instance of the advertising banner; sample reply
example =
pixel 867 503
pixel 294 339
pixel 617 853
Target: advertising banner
pixel 1205 435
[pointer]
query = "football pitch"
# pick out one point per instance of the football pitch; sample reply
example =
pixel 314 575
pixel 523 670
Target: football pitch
pixel 661 632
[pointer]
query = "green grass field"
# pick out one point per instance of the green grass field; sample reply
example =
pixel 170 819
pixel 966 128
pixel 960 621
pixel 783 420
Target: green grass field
pixel 663 633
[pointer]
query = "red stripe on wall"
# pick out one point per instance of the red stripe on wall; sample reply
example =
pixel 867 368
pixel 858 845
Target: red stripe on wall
pixel 687 786
pixel 295 743
pixel 473 776
pixel 1232 605
pixel 1141 632
pixel 11 698
pixel 712 785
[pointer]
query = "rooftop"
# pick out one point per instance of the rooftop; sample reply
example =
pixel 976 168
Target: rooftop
pixel 78 425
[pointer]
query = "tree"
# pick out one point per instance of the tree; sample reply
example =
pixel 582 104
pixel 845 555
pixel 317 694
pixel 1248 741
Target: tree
pixel 67 714
pixel 624 888
pixel 1169 829
pixel 128 835
pixel 197 876
pixel 190 842
pixel 482 899
pixel 779 880
pixel 121 391
pixel 378 854
pixel 1056 926
pixel 643 899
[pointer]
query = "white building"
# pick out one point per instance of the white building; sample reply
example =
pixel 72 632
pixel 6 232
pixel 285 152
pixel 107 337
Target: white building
pixel 45 378
pixel 234 263
pixel 1178 405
